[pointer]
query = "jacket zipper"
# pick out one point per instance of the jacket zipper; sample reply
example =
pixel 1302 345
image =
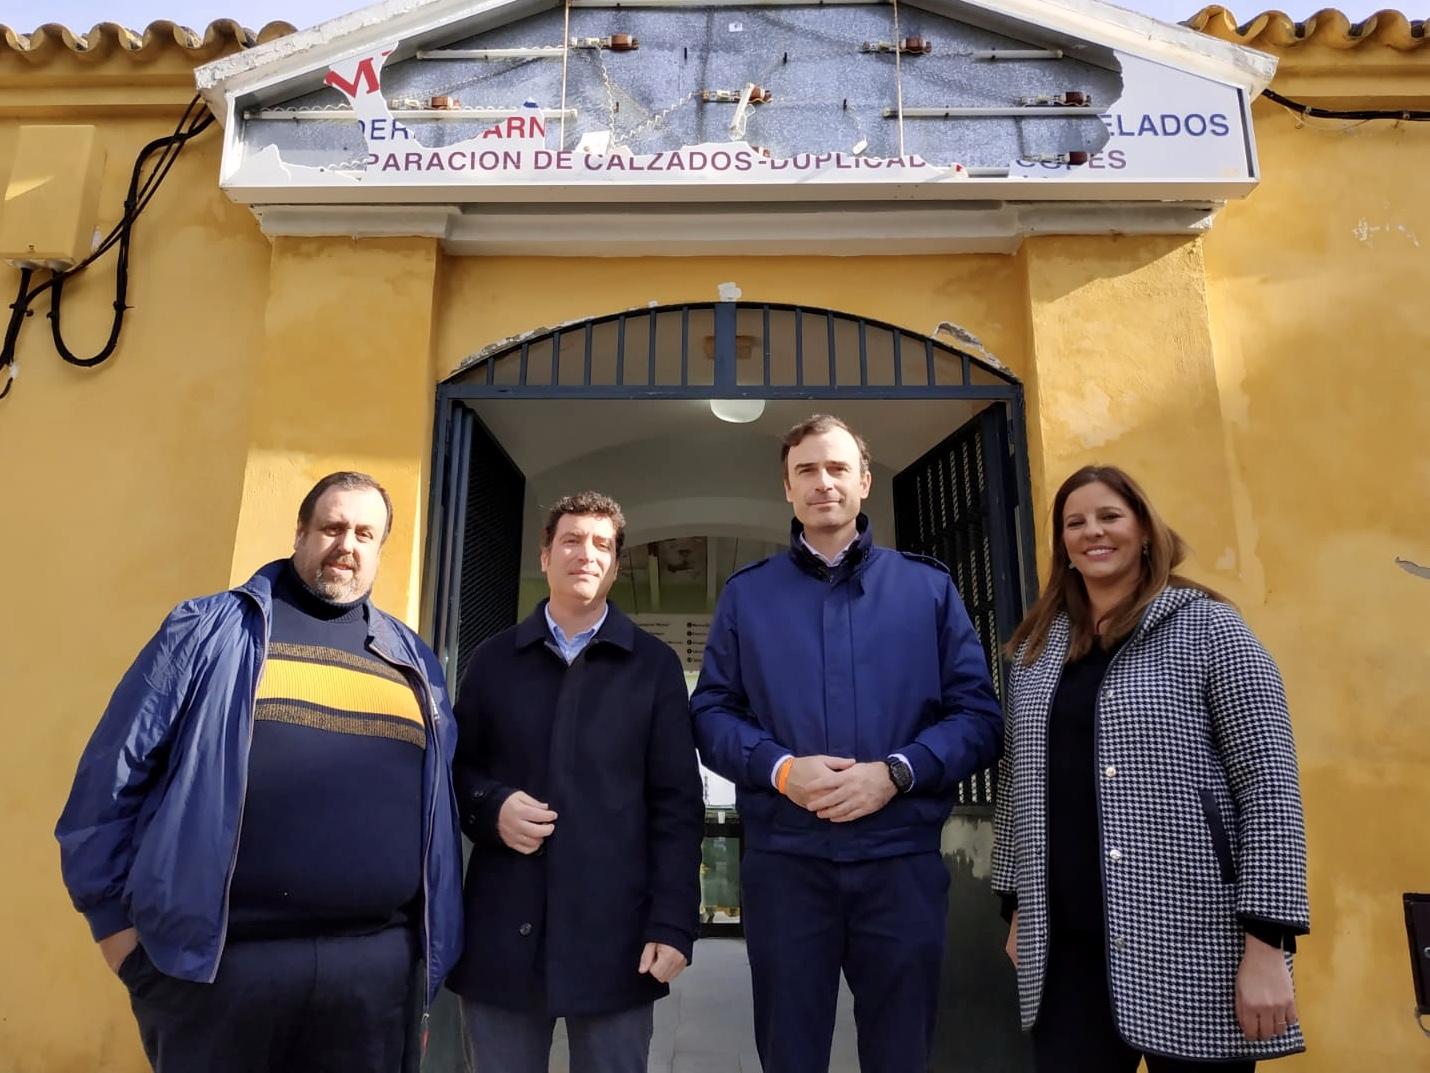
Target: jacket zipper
pixel 242 796
pixel 427 842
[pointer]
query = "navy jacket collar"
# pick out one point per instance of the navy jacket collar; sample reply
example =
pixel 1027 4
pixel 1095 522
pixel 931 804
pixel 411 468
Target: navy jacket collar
pixel 260 585
pixel 852 563
pixel 618 629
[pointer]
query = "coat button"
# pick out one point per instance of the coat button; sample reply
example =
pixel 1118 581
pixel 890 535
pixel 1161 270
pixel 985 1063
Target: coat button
pixel 1120 942
pixel 1110 771
pixel 525 929
pixel 1114 855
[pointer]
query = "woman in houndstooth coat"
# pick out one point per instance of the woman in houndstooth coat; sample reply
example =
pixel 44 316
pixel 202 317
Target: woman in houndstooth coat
pixel 1150 848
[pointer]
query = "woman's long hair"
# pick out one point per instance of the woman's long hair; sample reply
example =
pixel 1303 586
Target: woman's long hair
pixel 1066 592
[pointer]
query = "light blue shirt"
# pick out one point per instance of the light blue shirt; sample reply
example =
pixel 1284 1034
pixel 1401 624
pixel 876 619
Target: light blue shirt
pixel 570 649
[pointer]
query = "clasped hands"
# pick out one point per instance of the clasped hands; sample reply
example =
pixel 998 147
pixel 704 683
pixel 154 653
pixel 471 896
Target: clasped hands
pixel 838 789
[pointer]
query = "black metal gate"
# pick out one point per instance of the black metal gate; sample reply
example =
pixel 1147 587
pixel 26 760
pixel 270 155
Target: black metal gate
pixel 479 553
pixel 959 503
pixel 956 503
pixel 965 502
pixel 720 350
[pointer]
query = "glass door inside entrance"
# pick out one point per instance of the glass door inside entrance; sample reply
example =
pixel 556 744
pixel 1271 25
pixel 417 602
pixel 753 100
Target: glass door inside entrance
pixel 720 854
pixel 670 587
pixel 720 874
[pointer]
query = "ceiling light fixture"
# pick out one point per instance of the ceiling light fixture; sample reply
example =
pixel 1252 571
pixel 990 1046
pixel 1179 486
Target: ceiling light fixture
pixel 737 411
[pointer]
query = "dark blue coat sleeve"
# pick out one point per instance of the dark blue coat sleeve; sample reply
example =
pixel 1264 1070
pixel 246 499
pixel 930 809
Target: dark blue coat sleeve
pixel 731 740
pixel 119 767
pixel 675 811
pixel 479 796
pixel 969 736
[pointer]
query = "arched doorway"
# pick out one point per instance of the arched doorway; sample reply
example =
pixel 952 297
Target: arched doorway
pixel 623 403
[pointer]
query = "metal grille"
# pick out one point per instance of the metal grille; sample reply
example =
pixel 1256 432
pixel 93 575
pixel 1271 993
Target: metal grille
pixel 480 564
pixel 953 504
pixel 729 350
pixel 956 503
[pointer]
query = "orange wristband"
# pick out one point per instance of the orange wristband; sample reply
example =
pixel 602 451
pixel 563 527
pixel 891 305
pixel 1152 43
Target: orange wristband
pixel 782 779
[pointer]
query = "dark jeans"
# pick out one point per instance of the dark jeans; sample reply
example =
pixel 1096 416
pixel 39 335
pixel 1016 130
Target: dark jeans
pixel 508 1041
pixel 1075 1032
pixel 332 1005
pixel 881 922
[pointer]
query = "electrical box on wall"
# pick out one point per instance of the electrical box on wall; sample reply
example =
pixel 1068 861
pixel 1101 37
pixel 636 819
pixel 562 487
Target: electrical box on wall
pixel 52 198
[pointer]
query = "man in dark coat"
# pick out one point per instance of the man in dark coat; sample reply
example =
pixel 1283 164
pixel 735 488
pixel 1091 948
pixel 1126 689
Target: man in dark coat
pixel 578 785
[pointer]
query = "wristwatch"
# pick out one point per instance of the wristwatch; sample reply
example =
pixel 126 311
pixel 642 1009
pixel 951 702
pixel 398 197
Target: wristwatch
pixel 900 774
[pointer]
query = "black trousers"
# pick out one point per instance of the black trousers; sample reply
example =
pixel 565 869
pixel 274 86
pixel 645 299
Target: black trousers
pixel 1075 1032
pixel 329 1005
pixel 879 922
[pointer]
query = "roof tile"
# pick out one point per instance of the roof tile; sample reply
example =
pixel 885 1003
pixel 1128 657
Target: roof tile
pixel 1269 31
pixel 108 38
pixel 1274 31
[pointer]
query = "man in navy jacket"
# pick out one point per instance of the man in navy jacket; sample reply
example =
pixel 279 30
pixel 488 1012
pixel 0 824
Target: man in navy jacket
pixel 845 694
pixel 578 785
pixel 262 833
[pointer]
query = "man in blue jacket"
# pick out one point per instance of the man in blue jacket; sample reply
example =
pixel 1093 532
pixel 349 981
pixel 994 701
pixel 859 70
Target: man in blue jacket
pixel 262 832
pixel 845 694
pixel 579 788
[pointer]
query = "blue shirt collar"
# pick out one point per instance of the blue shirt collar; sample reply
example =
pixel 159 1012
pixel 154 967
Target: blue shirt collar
pixel 572 647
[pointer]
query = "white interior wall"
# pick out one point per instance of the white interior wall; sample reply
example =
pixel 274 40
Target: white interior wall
pixel 711 484
pixel 677 470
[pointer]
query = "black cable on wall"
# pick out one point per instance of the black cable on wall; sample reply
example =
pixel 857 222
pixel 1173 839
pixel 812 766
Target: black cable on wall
pixel 196 120
pixel 1413 115
pixel 142 188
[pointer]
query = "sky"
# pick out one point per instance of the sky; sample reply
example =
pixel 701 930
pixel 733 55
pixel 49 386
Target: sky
pixel 25 15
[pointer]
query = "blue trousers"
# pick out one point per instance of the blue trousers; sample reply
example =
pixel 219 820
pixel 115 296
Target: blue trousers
pixel 329 1005
pixel 880 922
pixel 511 1041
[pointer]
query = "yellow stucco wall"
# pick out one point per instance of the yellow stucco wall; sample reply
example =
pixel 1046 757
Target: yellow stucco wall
pixel 1315 286
pixel 1266 382
pixel 487 299
pixel 1120 330
pixel 118 498
pixel 344 381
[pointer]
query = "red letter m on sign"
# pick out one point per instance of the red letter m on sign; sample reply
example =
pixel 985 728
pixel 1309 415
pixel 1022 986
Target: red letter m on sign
pixel 365 76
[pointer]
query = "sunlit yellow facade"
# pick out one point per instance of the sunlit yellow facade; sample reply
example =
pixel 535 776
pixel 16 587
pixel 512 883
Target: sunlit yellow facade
pixel 1267 382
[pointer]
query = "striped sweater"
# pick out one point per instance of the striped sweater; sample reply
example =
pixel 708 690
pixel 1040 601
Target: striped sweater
pixel 331 835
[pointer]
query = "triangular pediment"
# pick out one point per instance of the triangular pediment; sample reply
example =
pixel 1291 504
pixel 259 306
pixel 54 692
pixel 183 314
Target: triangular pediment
pixel 472 104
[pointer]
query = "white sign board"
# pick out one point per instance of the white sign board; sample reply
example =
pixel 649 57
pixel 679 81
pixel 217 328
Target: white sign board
pixel 1166 127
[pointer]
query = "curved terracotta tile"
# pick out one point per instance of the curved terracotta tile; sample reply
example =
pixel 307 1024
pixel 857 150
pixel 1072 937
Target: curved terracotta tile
pixel 105 38
pixel 1270 30
pixel 1328 28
